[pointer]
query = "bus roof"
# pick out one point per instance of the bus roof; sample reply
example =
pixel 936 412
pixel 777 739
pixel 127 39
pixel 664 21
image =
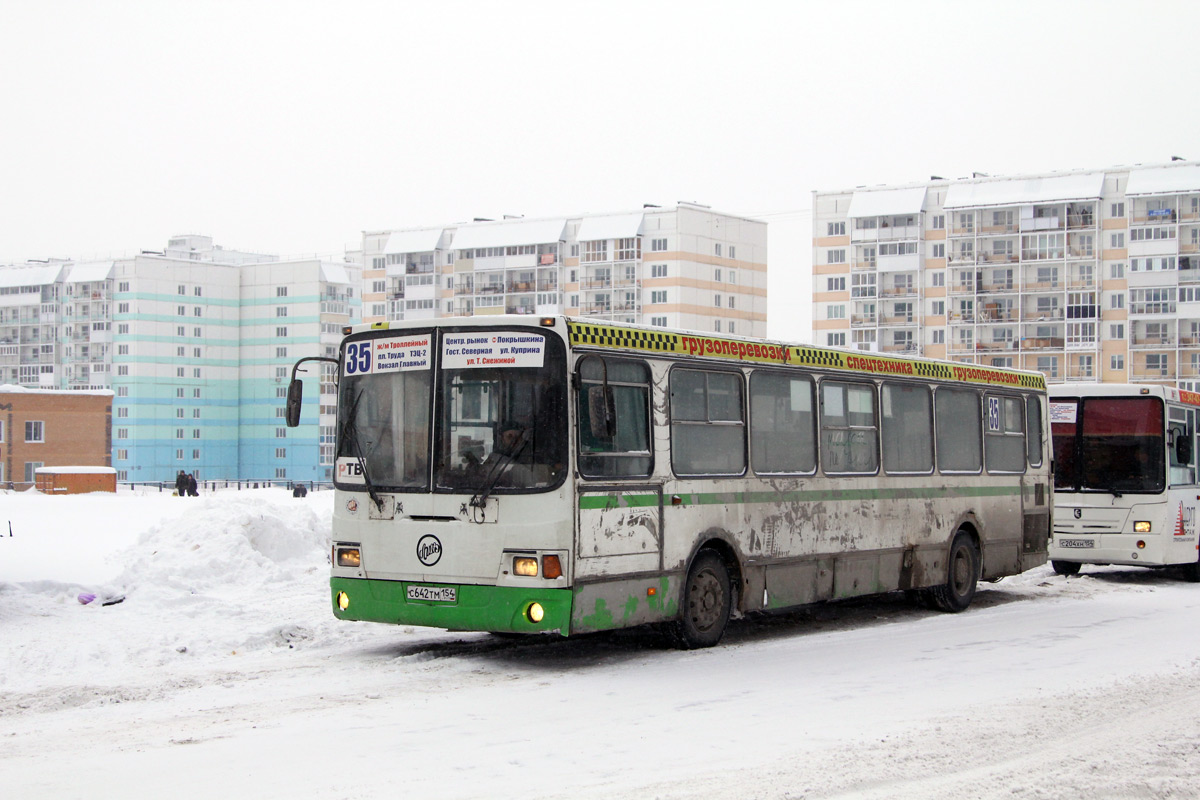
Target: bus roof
pixel 628 337
pixel 1125 390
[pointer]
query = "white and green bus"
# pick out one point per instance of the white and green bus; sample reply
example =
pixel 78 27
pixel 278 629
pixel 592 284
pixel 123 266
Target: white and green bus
pixel 524 474
pixel 1125 482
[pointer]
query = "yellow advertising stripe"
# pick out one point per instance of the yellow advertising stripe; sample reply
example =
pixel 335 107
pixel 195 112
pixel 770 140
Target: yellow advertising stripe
pixel 767 353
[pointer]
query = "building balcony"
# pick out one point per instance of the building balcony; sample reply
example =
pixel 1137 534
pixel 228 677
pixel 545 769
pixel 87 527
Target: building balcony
pixel 898 291
pixel 862 320
pixel 1081 221
pixel 463 287
pixel 862 264
pixel 1152 342
pixel 997 258
pixel 490 288
pixel 903 347
pixel 1043 343
pixel 1081 252
pixel 902 320
pixel 521 287
pixel 891 234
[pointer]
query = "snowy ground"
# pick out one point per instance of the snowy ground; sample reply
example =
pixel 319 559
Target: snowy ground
pixel 224 674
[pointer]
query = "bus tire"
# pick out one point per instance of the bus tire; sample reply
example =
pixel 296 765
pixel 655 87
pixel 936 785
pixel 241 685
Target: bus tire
pixel 1065 567
pixel 1191 572
pixel 962 576
pixel 705 605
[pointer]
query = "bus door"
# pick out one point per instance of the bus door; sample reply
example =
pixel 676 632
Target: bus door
pixel 620 505
pixel 1181 460
pixel 1037 495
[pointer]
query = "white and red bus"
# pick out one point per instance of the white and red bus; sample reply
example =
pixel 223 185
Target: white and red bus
pixel 1125 488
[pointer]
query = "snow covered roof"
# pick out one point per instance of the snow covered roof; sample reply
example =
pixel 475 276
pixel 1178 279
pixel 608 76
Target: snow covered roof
pixel 1025 191
pixel 887 202
pixel 89 273
pixel 334 273
pixel 75 470
pixel 30 276
pixel 610 226
pixel 422 240
pixel 1164 180
pixel 509 232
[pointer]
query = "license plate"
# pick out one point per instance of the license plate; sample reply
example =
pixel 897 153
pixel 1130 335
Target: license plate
pixel 433 594
pixel 1079 544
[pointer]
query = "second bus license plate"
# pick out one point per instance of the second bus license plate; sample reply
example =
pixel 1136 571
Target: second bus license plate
pixel 1081 544
pixel 433 594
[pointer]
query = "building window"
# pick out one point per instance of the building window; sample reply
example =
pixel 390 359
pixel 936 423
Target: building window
pixel 717 249
pixel 179 435
pixel 658 296
pixel 835 256
pixel 1117 362
pixel 281 311
pixel 1117 239
pixel 939 250
pixel 658 270
pixel 281 433
pixel 281 333
pixel 122 370
pixel 181 310
pixel 182 289
pixel 658 245
pixel 179 351
pixel 281 352
pixel 835 312
pixel 179 454
pixel 1116 270
pixel 35 431
pixel 123 308
pixel 196 291
pixel 717 326
pixel 122 455
pixel 1117 209
pixel 939 337
pixel 835 228
pixel 835 284
pixel 195 455
pixel 281 452
pixel 281 291
pixel 1116 300
pixel 1116 330
pixel 835 339
pixel 938 308
pixel 937 222
pixel 729 301
pixel 660 322
pixel 195 433
pixel 731 328
pixel 123 286
pixel 31 468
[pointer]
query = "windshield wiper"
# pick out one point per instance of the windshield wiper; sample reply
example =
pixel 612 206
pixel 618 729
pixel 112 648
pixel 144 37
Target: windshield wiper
pixel 350 434
pixel 479 500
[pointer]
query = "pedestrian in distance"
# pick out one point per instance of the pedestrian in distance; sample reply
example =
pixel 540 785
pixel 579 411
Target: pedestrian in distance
pixel 191 485
pixel 181 484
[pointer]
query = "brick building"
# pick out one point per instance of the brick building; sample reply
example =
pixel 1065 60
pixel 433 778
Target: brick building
pixel 46 428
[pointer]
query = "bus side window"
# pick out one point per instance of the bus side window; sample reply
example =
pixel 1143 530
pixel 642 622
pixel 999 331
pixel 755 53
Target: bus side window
pixel 849 432
pixel 782 424
pixel 958 430
pixel 1005 440
pixel 708 423
pixel 627 452
pixel 907 423
pixel 1182 428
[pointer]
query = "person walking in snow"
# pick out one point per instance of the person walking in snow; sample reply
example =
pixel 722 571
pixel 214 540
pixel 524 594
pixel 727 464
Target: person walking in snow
pixel 181 484
pixel 191 485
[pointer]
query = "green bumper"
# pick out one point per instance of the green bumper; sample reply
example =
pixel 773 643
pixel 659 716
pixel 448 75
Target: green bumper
pixel 476 608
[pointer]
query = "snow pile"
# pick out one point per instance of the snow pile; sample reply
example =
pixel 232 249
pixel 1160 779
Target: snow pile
pixel 236 543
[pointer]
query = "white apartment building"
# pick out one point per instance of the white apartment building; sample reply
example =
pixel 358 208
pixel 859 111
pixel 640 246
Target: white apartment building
pixel 685 266
pixel 1089 275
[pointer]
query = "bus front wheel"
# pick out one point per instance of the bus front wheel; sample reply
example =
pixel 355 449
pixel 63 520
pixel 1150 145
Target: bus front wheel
pixel 1065 567
pixel 707 600
pixel 962 576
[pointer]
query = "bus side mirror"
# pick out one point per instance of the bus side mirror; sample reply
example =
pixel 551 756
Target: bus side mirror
pixel 602 412
pixel 1183 448
pixel 295 395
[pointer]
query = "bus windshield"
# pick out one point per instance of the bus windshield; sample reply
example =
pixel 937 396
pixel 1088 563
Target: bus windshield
pixel 500 422
pixel 503 425
pixel 1109 444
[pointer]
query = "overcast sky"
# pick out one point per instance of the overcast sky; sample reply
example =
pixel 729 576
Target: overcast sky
pixel 291 127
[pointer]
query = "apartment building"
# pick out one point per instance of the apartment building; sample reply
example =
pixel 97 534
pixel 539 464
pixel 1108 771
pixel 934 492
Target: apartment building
pixel 1088 275
pixel 685 266
pixel 196 344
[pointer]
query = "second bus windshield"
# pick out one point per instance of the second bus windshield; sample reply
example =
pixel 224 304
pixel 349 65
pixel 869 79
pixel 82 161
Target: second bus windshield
pixel 1110 444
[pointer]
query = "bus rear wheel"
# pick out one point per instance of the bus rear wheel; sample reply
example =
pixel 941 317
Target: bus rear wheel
pixel 962 576
pixel 1065 567
pixel 706 604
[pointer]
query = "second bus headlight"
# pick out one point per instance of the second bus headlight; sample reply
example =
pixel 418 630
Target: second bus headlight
pixel 523 565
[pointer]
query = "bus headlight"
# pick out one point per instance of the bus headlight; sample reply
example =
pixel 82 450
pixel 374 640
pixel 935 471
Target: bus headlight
pixel 343 600
pixel 349 557
pixel 523 565
pixel 1141 526
pixel 535 612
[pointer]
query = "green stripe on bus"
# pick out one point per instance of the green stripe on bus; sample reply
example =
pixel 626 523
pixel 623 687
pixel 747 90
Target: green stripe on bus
pixel 603 502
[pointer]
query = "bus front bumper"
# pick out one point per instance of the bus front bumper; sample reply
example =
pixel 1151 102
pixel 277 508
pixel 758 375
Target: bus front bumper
pixel 502 609
pixel 1122 549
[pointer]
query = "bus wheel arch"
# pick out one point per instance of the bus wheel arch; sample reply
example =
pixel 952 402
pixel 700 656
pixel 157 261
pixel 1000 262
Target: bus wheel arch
pixel 708 596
